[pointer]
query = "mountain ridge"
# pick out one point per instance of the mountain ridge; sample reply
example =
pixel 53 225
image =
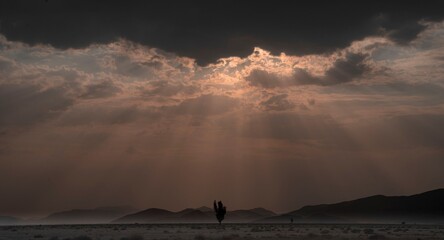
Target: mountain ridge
pixel 423 207
pixel 426 207
pixel 196 215
pixel 86 216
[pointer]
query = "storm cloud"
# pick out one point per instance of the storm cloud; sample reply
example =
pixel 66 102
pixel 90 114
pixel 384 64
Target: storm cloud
pixel 207 31
pixel 342 71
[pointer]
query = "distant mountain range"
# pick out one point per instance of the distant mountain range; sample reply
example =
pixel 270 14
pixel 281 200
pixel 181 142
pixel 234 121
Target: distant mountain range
pixel 190 215
pixel 86 216
pixel 427 207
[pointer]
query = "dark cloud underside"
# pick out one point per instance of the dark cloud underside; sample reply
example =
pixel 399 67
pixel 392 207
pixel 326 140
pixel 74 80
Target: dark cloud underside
pixel 343 70
pixel 208 30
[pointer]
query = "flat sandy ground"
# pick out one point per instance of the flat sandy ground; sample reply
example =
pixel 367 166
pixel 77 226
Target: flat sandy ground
pixel 224 232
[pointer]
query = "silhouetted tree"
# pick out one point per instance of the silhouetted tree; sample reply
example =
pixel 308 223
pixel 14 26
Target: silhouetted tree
pixel 220 210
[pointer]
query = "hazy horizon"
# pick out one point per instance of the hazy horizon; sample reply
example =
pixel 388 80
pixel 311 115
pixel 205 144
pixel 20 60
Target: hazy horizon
pixel 142 208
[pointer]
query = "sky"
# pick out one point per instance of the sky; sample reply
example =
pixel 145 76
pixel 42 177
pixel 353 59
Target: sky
pixel 277 104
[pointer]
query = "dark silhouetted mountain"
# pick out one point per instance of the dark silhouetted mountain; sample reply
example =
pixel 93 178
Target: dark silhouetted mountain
pixel 153 215
pixel 7 220
pixel 87 216
pixel 263 212
pixel 189 215
pixel 205 209
pixel 427 207
pixel 185 211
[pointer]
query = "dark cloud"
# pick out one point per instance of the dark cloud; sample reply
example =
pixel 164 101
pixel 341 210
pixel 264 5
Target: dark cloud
pixel 406 32
pixel 277 103
pixel 128 67
pixel 101 90
pixel 262 78
pixel 208 30
pixel 343 70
